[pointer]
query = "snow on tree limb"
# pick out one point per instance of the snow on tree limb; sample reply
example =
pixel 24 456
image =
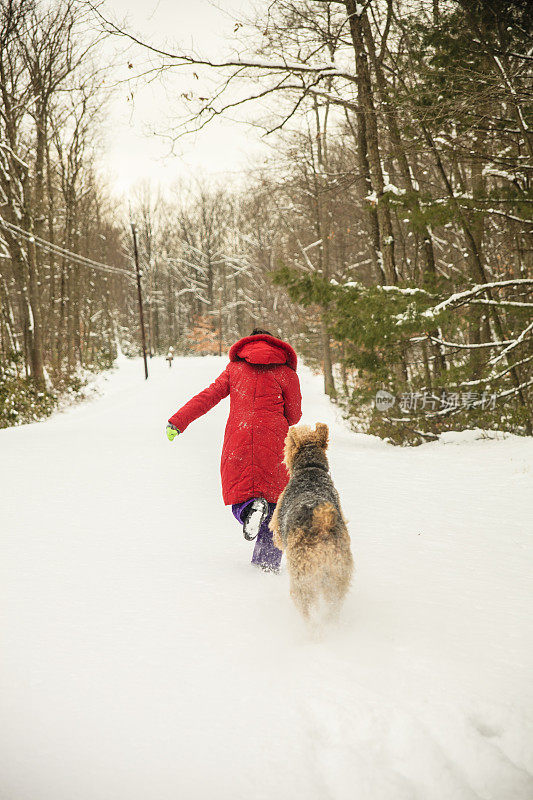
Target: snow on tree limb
pixel 460 298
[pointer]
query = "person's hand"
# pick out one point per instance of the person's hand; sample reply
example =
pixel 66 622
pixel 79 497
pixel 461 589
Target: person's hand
pixel 172 432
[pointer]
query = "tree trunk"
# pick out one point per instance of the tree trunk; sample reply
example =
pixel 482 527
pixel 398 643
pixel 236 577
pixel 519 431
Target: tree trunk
pixel 366 103
pixel 329 384
pixel 322 226
pixel 35 341
pixel 365 189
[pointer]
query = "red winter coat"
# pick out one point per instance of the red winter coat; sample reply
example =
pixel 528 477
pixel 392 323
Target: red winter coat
pixel 265 399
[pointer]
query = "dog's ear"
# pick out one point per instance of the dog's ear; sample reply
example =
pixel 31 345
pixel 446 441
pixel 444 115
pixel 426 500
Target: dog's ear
pixel 322 435
pixel 291 441
pixel 290 447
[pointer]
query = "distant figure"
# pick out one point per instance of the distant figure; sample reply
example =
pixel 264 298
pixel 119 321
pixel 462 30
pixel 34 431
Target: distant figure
pixel 170 356
pixel 265 397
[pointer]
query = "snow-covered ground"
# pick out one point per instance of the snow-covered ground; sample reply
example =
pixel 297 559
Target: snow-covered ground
pixel 143 657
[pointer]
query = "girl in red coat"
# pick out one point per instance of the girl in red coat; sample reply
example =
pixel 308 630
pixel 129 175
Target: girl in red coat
pixel 265 400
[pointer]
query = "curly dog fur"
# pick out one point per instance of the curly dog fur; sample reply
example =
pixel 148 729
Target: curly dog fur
pixel 309 526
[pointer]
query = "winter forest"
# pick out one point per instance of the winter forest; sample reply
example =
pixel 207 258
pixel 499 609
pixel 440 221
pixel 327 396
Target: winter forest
pixel 266 400
pixel 386 232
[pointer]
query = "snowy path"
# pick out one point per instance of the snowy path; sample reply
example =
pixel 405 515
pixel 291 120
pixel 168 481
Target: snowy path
pixel 142 657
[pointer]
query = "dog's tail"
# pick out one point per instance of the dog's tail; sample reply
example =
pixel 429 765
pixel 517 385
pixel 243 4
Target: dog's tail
pixel 325 517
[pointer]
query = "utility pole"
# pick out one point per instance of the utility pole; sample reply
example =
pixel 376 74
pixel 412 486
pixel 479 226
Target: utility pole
pixel 220 321
pixel 141 315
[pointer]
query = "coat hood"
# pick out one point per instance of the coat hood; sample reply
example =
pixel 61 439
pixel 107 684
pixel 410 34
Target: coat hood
pixel 263 349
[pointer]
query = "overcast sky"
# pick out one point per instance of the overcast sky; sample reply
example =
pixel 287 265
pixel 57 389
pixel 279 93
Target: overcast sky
pixel 132 151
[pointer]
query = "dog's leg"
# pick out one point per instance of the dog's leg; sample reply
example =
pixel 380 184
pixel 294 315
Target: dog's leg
pixel 301 599
pixel 333 596
pixel 274 524
pixel 303 593
pixel 338 578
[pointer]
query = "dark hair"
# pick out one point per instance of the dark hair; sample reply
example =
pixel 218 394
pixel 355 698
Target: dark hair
pixel 257 331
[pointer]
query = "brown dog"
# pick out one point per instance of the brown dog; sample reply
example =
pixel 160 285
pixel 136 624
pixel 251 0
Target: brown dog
pixel 309 526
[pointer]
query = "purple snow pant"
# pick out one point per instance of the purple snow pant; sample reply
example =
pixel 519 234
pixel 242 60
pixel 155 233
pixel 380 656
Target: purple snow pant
pixel 266 554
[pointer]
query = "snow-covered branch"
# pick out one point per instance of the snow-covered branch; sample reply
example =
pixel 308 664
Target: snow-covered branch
pixel 460 298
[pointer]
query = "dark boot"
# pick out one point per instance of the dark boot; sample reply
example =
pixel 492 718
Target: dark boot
pixel 266 554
